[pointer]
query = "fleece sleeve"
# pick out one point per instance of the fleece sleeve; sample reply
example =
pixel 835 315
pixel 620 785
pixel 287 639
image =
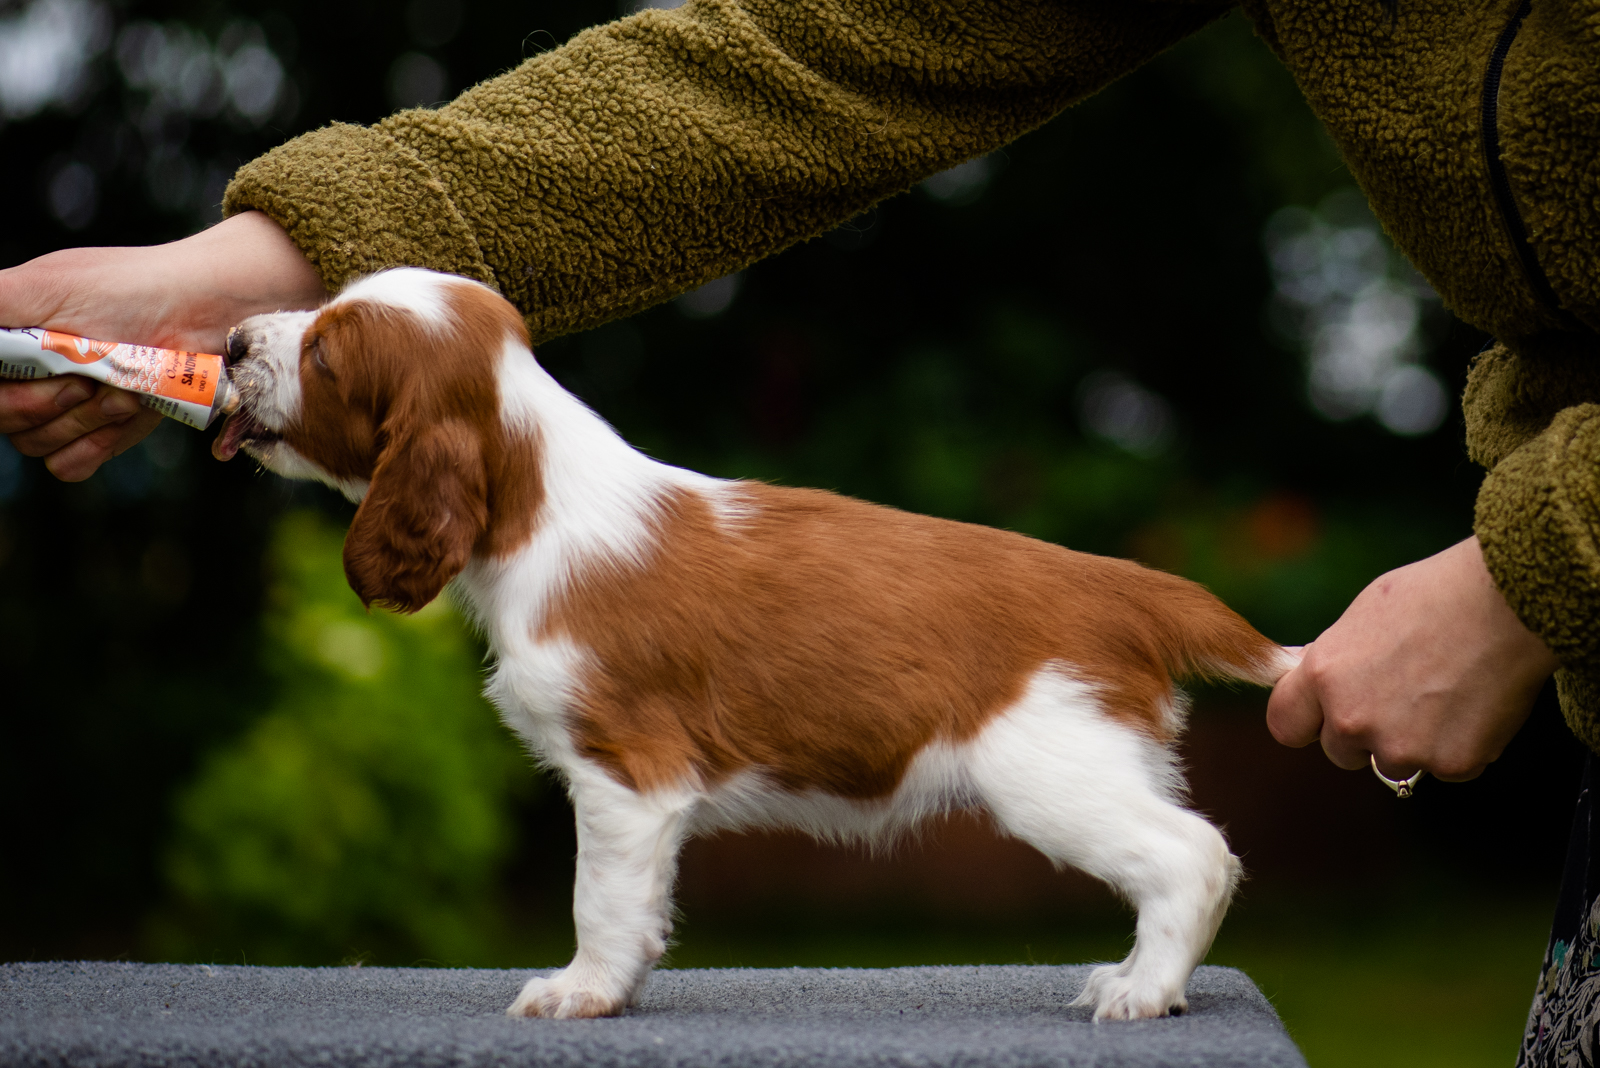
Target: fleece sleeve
pixel 1538 519
pixel 655 153
pixel 1532 422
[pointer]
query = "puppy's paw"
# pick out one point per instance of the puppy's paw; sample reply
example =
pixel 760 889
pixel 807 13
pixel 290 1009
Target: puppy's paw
pixel 1095 985
pixel 561 997
pixel 1117 995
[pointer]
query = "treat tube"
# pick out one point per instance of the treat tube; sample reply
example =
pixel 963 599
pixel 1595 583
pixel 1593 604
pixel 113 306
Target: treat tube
pixel 191 387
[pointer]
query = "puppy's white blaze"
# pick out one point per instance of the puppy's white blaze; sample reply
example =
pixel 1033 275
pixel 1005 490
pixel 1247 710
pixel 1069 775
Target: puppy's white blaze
pixel 270 380
pixel 409 289
pixel 270 383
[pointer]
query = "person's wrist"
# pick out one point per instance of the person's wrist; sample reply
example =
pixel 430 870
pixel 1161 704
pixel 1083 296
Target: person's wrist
pixel 257 263
pixel 249 265
pixel 1526 651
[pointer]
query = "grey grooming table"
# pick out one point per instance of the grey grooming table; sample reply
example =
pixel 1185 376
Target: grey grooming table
pixel 106 1015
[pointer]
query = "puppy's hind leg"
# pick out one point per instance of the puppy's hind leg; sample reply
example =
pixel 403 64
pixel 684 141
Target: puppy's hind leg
pixel 621 903
pixel 1089 792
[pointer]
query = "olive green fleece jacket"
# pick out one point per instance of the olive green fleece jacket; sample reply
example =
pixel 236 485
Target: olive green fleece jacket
pixel 658 152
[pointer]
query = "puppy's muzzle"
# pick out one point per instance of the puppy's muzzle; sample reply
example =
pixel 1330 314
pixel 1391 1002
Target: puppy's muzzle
pixel 242 426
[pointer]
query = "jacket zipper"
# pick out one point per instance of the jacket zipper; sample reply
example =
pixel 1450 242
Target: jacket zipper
pixel 1499 183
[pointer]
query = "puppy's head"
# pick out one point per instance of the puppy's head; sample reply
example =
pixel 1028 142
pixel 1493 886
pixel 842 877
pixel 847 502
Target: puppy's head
pixel 389 393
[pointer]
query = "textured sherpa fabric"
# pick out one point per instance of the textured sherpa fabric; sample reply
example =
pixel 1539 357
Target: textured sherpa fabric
pixel 1403 101
pixel 1531 420
pixel 132 1015
pixel 1512 396
pixel 667 149
pixel 1539 522
pixel 663 150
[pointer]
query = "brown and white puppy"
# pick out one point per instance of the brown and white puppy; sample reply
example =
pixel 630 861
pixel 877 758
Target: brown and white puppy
pixel 692 654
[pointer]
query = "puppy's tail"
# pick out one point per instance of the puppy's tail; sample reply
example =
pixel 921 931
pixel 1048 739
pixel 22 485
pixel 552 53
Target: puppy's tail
pixel 1197 636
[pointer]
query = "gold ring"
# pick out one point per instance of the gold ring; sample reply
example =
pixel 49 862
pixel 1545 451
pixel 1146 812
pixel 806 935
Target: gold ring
pixel 1401 787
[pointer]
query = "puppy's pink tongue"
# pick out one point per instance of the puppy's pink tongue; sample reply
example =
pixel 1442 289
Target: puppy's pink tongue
pixel 226 443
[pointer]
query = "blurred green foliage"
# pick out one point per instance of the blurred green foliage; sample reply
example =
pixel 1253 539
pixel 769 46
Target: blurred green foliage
pixel 366 811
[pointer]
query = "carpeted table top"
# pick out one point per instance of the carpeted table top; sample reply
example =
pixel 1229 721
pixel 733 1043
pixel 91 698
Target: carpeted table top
pixel 100 1015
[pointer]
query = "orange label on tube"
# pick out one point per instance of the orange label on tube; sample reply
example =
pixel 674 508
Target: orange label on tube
pixel 184 376
pixel 182 385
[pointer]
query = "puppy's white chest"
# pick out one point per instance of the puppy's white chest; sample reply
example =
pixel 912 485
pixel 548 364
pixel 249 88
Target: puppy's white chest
pixel 533 691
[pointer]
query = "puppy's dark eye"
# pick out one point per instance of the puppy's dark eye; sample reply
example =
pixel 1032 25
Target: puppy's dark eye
pixel 315 351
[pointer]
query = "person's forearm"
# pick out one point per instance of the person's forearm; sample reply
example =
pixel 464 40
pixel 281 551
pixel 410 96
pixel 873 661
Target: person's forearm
pixel 653 154
pixel 253 268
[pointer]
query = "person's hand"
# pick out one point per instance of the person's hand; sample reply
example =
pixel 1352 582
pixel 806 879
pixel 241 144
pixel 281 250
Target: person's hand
pixel 1428 668
pixel 183 295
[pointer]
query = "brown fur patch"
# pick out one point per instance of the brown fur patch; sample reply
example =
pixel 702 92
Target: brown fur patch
pixel 827 641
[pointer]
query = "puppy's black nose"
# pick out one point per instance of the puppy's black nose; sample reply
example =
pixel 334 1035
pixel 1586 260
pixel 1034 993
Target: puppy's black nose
pixel 238 345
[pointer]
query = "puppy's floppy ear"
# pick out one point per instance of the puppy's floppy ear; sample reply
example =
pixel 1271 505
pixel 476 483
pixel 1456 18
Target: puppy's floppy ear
pixel 424 511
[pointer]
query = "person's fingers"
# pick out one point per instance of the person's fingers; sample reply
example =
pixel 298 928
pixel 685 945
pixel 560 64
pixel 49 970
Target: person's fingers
pixel 83 456
pixel 1340 726
pixel 26 405
pixel 1346 734
pixel 1346 751
pixel 1450 774
pixel 1294 715
pixel 106 406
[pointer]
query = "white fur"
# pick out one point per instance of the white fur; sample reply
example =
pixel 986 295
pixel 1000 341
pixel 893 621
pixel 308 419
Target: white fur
pixel 270 377
pixel 1054 769
pixel 935 783
pixel 408 289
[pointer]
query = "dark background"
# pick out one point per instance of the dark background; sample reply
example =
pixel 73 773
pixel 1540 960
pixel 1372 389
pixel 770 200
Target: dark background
pixel 945 352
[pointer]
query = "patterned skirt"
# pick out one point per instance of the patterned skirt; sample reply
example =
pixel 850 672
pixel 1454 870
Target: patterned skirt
pixel 1564 1023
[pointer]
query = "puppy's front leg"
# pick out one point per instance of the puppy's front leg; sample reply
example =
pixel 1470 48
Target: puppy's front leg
pixel 627 859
